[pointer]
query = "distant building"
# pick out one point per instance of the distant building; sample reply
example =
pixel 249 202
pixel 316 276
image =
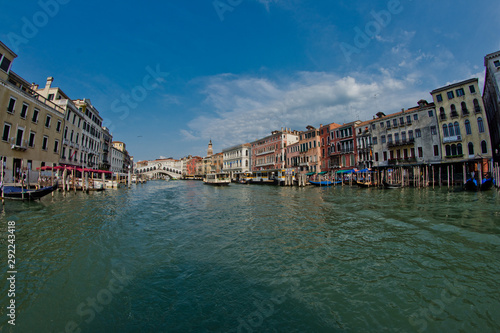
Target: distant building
pixel 117 157
pixel 343 149
pixel 269 153
pixel 406 138
pixel 92 133
pixel 463 124
pixel 236 160
pixel 309 151
pixel 325 136
pixel 491 100
pixel 364 144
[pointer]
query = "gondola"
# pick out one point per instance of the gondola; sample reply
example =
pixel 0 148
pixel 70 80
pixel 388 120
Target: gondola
pixel 366 184
pixel 19 193
pixel 487 184
pixel 323 183
pixel 390 186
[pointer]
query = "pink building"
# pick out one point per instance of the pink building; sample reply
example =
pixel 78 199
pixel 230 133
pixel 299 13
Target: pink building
pixel 269 153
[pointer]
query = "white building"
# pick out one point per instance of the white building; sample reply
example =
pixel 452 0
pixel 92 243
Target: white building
pixel 236 160
pixel 71 152
pixel 116 159
pixel 92 133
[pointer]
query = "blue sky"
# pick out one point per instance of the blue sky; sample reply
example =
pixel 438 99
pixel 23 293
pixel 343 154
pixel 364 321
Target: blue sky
pixel 168 76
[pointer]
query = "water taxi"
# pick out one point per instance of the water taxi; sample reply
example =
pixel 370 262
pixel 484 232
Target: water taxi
pixel 217 179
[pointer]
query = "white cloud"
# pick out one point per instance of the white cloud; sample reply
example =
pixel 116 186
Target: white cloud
pixel 248 108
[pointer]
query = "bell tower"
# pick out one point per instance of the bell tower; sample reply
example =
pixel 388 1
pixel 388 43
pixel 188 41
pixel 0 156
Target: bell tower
pixel 210 151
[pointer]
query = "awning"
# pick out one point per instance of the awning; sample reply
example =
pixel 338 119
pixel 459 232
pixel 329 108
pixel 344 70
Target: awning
pixel 364 170
pixel 310 173
pixel 322 172
pixel 346 171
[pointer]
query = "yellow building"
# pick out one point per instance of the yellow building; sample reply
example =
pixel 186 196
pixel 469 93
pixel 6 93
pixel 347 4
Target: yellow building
pixel 463 125
pixel 32 125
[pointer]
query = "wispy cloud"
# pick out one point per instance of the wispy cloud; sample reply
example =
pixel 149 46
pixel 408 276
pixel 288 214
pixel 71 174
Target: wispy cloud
pixel 247 108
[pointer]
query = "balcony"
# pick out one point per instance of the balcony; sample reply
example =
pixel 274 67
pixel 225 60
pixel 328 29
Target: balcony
pixel 454 156
pixel 401 143
pixel 442 116
pixel 477 109
pixel 399 161
pixel 265 152
pixel 343 151
pixel 454 138
pixel 465 112
pixel 264 164
pixel 454 114
pixel 20 145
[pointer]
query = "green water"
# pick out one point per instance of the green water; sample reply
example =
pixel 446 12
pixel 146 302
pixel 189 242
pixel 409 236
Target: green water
pixel 184 257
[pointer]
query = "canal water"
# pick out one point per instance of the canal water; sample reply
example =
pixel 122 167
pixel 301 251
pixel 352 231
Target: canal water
pixel 179 256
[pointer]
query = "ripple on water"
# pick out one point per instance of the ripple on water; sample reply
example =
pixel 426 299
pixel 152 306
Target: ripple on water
pixel 308 259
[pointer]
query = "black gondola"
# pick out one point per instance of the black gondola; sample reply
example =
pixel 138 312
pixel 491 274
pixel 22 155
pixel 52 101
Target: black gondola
pixel 487 184
pixel 19 193
pixel 390 186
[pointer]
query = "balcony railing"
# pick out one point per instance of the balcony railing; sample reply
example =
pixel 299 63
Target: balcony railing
pixel 15 145
pixel 454 114
pixel 454 156
pixel 453 138
pixel 442 117
pixel 477 109
pixel 465 112
pixel 398 143
pixel 406 160
pixel 265 152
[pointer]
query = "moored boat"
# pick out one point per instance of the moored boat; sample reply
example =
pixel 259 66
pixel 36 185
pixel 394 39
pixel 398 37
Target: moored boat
pixel 390 186
pixel 217 179
pixel 487 184
pixel 19 193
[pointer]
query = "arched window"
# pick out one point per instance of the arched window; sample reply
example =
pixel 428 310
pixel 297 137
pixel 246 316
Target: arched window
pixel 477 108
pixel 445 130
pixel 453 110
pixel 453 150
pixel 448 150
pixel 442 115
pixel 457 128
pixel 468 130
pixel 450 129
pixel 480 125
pixel 484 147
pixel 459 149
pixel 464 108
pixel 471 148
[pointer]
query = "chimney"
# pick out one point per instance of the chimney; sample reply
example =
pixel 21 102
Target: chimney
pixel 34 86
pixel 50 79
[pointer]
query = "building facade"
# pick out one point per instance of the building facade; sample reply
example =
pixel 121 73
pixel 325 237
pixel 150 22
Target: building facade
pixel 364 144
pixel 71 148
pixel 343 147
pixel 463 125
pixel 309 151
pixel 236 160
pixel 116 160
pixel 406 138
pixel 491 100
pixel 325 144
pixel 31 124
pixel 269 153
pixel 92 133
